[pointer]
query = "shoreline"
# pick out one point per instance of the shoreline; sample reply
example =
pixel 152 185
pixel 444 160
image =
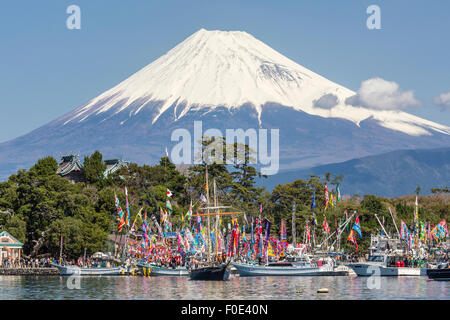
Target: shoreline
pixel 29 271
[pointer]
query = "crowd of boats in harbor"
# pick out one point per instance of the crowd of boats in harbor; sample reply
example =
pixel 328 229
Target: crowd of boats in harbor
pixel 205 250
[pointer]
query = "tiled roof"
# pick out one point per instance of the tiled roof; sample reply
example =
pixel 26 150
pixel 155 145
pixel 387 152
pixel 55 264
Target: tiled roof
pixel 113 165
pixel 68 164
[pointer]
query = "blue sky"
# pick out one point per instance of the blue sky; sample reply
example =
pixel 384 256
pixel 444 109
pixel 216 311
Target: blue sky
pixel 47 70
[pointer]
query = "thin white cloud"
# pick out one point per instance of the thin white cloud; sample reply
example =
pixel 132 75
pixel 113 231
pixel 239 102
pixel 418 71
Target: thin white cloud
pixel 327 101
pixel 443 100
pixel 379 94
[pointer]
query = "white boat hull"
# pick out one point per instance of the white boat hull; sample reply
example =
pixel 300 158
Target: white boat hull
pixel 162 271
pixel 367 269
pixel 179 272
pixel 250 270
pixel 74 270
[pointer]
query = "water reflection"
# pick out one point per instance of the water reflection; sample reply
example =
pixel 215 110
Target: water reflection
pixel 179 288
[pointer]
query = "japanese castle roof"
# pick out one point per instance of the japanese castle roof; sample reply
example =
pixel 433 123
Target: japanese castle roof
pixel 68 164
pixel 112 165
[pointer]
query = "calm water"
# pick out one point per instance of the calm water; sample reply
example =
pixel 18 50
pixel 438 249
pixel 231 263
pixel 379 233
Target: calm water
pixel 168 288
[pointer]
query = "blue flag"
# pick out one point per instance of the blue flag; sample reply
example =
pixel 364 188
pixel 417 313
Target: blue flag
pixel 357 227
pixel 313 204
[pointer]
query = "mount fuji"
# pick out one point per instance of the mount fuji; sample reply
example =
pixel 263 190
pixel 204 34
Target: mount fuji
pixel 227 79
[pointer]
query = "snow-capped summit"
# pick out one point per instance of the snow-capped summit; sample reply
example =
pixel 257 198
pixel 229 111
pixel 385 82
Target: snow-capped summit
pixel 228 80
pixel 230 69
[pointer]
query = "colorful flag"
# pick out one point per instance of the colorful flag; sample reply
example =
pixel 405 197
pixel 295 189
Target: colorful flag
pixel 168 205
pixel 189 213
pixel 422 231
pixel 267 231
pixel 352 239
pixel 326 199
pixel 270 250
pixel 117 206
pixel 325 226
pixel 338 193
pixel 313 201
pixel 128 207
pixel 313 221
pixel 308 234
pixel 403 230
pixel 120 214
pixel 440 231
pixel 260 208
pixel 416 211
pixel 283 232
pixel 116 200
pixel 121 222
pixel 169 193
pixel 357 227
pixel 203 198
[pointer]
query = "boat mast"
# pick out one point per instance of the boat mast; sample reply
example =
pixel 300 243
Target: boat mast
pixel 382 226
pixel 60 249
pixel 341 229
pixel 395 224
pixel 217 218
pixel 209 225
pixel 293 225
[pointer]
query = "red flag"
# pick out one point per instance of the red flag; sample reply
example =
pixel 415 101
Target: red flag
pixel 325 226
pixel 326 199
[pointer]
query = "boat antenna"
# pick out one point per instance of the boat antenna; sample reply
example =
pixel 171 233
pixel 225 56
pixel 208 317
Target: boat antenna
pixel 395 224
pixel 382 226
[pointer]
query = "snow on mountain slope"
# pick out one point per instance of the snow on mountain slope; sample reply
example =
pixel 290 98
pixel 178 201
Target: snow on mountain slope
pixel 230 69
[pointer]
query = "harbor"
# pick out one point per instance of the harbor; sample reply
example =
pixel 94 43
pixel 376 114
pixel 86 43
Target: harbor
pixel 216 250
pixel 243 152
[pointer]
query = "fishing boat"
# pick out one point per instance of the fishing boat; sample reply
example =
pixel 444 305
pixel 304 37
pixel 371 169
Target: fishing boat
pixel 384 252
pixel 297 267
pixel 210 273
pixel 379 264
pixel 441 273
pixel 68 270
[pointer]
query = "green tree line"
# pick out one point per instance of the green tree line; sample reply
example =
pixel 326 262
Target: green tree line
pixel 37 206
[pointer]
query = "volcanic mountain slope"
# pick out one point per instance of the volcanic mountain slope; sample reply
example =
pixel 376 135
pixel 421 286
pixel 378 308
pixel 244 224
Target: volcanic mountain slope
pixel 226 80
pixel 389 174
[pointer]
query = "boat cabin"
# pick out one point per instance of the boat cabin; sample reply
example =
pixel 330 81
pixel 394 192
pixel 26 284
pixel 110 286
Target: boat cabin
pixel 383 244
